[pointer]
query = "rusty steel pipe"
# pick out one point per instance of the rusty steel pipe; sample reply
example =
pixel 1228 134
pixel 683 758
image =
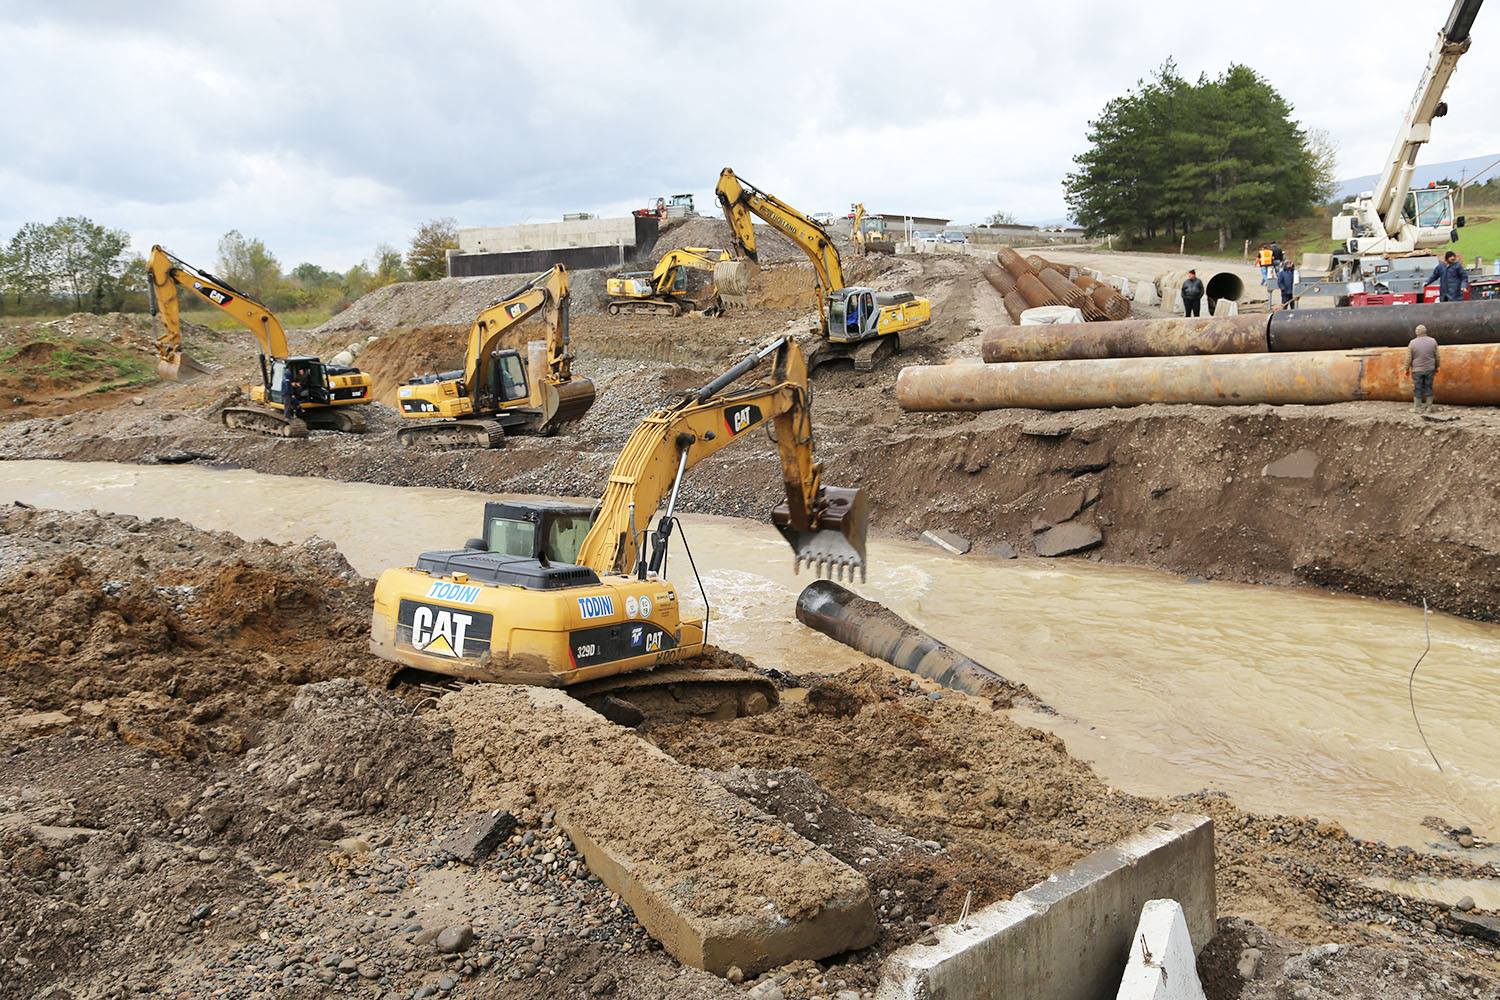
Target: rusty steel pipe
pixel 1034 292
pixel 876 631
pixel 1000 278
pixel 1015 305
pixel 1012 262
pixel 1469 376
pixel 1062 289
pixel 1476 322
pixel 1111 302
pixel 1141 338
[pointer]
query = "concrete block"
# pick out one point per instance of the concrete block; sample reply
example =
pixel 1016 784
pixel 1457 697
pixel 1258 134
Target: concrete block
pixel 1163 963
pixel 1301 464
pixel 1066 539
pixel 1070 936
pixel 718 882
pixel 956 544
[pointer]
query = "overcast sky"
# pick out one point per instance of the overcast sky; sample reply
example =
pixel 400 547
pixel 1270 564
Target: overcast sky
pixel 326 127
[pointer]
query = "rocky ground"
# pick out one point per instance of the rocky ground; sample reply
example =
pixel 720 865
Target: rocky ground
pixel 207 791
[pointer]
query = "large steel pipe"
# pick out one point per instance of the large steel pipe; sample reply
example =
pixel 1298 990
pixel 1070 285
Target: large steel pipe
pixel 1386 326
pixel 1131 339
pixel 1001 279
pixel 877 631
pixel 1013 262
pixel 1062 289
pixel 1470 375
pixel 1015 305
pixel 1033 291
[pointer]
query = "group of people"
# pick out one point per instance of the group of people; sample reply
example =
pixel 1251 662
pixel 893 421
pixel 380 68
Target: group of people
pixel 1275 266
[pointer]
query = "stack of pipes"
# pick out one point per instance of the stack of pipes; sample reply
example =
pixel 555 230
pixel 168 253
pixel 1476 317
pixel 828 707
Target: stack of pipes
pixel 1040 282
pixel 1307 356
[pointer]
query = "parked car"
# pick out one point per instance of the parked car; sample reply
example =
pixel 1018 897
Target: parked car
pixel 925 234
pixel 953 236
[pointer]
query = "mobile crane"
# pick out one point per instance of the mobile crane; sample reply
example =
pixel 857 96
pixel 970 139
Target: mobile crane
pixel 497 392
pixel 857 324
pixel 1384 233
pixel 664 290
pixel 575 595
pixel 330 390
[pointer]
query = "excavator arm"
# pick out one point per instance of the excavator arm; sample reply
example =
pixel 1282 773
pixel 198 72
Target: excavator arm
pixel 547 291
pixel 741 200
pixel 825 525
pixel 167 273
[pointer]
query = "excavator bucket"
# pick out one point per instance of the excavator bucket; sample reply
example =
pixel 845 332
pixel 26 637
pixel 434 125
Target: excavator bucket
pixel 732 280
pixel 565 402
pixel 179 367
pixel 834 545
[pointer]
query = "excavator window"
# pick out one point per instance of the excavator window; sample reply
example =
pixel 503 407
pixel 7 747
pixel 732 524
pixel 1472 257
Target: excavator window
pixel 510 381
pixel 564 534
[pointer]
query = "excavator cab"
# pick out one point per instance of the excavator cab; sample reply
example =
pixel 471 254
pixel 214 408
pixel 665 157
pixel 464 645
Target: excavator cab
pixel 307 372
pixel 853 314
pixel 507 377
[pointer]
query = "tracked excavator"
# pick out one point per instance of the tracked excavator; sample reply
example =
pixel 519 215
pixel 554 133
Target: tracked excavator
pixel 855 324
pixel 870 234
pixel 664 290
pixel 329 391
pixel 576 596
pixel 498 392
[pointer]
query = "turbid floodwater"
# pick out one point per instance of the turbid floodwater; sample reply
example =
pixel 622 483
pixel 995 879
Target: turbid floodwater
pixel 1289 700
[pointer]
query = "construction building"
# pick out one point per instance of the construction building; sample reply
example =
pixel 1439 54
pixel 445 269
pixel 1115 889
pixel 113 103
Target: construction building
pixel 579 241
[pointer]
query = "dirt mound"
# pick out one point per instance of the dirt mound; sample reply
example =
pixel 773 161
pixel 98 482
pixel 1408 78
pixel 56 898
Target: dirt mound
pixel 171 638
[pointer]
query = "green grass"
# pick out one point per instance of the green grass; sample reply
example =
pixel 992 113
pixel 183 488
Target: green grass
pixel 90 358
pixel 1481 237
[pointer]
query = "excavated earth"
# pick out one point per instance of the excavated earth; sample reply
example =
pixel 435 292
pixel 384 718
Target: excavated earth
pixel 207 790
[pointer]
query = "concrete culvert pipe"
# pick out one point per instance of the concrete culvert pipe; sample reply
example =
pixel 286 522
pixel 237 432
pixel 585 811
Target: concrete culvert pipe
pixel 1224 286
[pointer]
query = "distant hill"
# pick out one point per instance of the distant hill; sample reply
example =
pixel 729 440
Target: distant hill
pixel 1425 173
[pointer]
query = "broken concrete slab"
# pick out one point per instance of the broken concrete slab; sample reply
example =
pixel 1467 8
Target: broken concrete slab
pixel 1003 550
pixel 478 835
pixel 1302 464
pixel 1163 963
pixel 1067 937
pixel 1476 925
pixel 947 540
pixel 718 882
pixel 1066 539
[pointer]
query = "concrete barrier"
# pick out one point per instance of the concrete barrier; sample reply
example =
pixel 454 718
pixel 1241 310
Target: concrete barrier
pixel 1163 962
pixel 718 882
pixel 1070 936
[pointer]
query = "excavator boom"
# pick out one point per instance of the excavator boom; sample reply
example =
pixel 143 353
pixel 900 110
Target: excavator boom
pixel 166 274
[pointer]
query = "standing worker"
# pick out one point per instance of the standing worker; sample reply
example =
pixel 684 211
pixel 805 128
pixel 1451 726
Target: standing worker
pixel 1451 278
pixel 291 395
pixel 1263 258
pixel 1422 366
pixel 1286 280
pixel 1192 294
pixel 1278 255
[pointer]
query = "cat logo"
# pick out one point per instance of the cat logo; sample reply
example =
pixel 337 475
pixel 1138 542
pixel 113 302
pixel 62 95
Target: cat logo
pixel 515 309
pixel 440 631
pixel 739 419
pixel 215 296
pixel 653 642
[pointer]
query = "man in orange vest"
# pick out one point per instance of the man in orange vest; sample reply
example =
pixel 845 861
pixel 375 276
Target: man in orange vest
pixel 1264 260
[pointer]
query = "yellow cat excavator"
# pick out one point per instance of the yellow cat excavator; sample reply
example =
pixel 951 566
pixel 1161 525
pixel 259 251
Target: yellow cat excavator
pixel 664 290
pixel 574 595
pixel 326 391
pixel 856 324
pixel 497 392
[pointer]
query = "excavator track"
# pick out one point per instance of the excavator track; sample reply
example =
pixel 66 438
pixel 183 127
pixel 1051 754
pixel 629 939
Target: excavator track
pixel 453 434
pixel 865 354
pixel 334 419
pixel 675 692
pixel 260 421
pixel 644 307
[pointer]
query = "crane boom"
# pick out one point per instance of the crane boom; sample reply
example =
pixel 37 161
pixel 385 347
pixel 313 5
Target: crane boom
pixel 1427 104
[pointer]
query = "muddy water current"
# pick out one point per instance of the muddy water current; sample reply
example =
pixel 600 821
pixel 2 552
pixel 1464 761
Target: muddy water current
pixel 1289 700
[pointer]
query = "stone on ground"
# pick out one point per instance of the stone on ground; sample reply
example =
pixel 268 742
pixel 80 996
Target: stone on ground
pixel 479 834
pixel 947 540
pixel 1162 964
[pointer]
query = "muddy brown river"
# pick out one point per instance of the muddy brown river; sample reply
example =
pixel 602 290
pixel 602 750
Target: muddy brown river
pixel 1289 700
